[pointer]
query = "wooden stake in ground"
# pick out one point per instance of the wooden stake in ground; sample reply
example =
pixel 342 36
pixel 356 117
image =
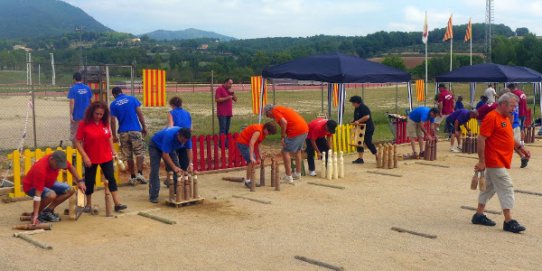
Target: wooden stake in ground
pixel 385 156
pixel 195 192
pixel 330 169
pixel 252 169
pixel 390 157
pixel 427 151
pixel 341 166
pixel 395 163
pixel 108 201
pixel 172 186
pixel 324 166
pixel 273 165
pixel 277 181
pixel 186 185
pixel 379 156
pixel 179 189
pixel 71 206
pixel 319 263
pixel 262 172
pixel 335 166
pixel 32 241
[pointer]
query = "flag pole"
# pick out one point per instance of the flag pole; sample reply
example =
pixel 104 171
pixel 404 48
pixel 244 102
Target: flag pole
pixel 426 66
pixel 471 49
pixel 451 51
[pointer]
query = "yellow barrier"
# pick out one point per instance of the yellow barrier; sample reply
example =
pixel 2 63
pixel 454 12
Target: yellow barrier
pixel 30 157
pixel 341 139
pixel 473 126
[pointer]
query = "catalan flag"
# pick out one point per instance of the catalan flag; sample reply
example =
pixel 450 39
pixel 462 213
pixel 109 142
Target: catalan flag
pixel 449 31
pixel 335 95
pixel 420 90
pixel 468 35
pixel 154 88
pixel 256 83
pixel 425 33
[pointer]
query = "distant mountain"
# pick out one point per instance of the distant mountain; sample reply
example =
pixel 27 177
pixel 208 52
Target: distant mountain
pixel 41 18
pixel 190 33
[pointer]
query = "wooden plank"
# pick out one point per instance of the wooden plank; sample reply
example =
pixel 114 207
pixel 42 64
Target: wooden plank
pixel 319 263
pixel 527 192
pixel 431 236
pixel 252 199
pixel 466 156
pixel 32 241
pixel 431 164
pixel 157 218
pixel 184 202
pixel 385 173
pixel 6 190
pixel 327 185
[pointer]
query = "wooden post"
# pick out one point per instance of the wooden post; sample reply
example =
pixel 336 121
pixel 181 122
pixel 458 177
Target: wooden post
pixel 379 156
pixel 273 172
pixel 179 189
pixel 385 156
pixel 262 172
pixel 195 193
pixel 277 181
pixel 390 158
pixel 108 201
pixel 395 164
pixel 251 170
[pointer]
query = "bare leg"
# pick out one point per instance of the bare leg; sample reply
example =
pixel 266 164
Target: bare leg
pixel 59 199
pixel 413 144
pixel 89 201
pixel 46 201
pixel 298 162
pixel 420 142
pixel 131 166
pixel 115 196
pixel 139 161
pixel 287 166
pixel 507 215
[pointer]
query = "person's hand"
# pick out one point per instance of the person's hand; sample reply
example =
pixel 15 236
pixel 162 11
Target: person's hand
pixel 190 168
pixel 253 160
pixel 35 220
pixel 526 152
pixel 87 161
pixel 480 166
pixel 177 170
pixel 144 132
pixel 115 139
pixel 319 155
pixel 82 186
pixel 114 154
pixel 282 142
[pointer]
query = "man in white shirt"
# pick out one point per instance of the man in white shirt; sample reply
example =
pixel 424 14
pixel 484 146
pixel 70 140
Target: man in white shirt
pixel 490 93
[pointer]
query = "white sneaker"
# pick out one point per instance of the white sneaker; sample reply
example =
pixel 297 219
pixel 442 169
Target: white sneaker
pixel 132 181
pixel 453 149
pixel 287 179
pixel 296 176
pixel 312 173
pixel 141 179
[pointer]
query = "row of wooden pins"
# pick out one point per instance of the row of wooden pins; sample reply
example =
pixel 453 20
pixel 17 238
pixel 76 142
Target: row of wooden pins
pixel 386 156
pixel 185 188
pixel 529 134
pixel 332 165
pixel 252 173
pixel 470 145
pixel 478 181
pixel 430 152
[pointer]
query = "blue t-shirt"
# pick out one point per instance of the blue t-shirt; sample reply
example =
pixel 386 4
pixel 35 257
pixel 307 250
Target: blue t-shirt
pixel 515 124
pixel 181 118
pixel 166 140
pixel 479 104
pixel 81 95
pixel 461 115
pixel 124 108
pixel 421 114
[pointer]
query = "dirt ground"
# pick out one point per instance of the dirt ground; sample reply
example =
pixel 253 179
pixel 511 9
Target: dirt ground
pixel 348 228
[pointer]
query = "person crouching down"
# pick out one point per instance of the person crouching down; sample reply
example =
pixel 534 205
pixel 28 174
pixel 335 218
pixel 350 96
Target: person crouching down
pixel 319 140
pixel 248 141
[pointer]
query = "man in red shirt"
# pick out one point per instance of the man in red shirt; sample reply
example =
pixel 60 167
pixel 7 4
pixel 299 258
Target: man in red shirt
pixel 522 108
pixel 294 131
pixel 319 140
pixel 445 103
pixel 40 184
pixel 496 145
pixel 224 99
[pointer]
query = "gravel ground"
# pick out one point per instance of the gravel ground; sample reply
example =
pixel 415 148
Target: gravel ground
pixel 348 228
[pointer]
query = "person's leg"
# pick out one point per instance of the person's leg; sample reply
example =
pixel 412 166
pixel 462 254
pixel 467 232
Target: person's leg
pixel 109 173
pixel 90 181
pixel 74 125
pixel 310 154
pixel 297 146
pixel 63 191
pixel 138 150
pixel 412 135
pixel 522 127
pixel 369 141
pixel 155 155
pixel 227 124
pixel 46 198
pixel 286 160
pixel 182 156
pixel 222 125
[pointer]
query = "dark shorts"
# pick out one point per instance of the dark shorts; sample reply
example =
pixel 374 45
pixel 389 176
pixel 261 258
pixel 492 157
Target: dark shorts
pixel 522 122
pixel 58 187
pixel 294 144
pixel 245 151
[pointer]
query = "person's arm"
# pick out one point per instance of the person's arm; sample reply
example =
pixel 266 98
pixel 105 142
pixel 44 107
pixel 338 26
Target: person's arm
pixel 283 125
pixel 233 97
pixel 79 180
pixel 481 165
pixel 363 119
pixel 315 147
pixel 114 129
pixel 36 207
pixel 456 128
pixel 142 121
pixel 169 120
pixel 251 144
pixel 113 152
pixel 329 142
pixel 71 109
pixel 190 160
pixel 170 163
pixel 79 147
pixel 221 96
pixel 521 149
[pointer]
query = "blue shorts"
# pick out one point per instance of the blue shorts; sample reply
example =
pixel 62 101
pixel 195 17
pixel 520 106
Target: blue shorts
pixel 294 144
pixel 58 187
pixel 245 151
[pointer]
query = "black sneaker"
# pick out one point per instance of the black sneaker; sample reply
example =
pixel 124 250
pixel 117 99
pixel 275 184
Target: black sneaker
pixel 358 161
pixel 524 162
pixel 153 200
pixel 247 184
pixel 48 217
pixel 120 207
pixel 481 219
pixel 52 213
pixel 512 226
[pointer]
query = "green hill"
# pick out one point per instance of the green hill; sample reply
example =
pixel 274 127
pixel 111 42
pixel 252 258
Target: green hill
pixel 190 33
pixel 42 18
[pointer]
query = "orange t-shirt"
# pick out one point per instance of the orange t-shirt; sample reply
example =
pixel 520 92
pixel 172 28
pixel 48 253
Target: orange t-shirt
pixel 500 140
pixel 296 124
pixel 248 132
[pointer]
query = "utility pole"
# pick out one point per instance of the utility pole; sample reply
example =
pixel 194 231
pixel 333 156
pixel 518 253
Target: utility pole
pixel 488 30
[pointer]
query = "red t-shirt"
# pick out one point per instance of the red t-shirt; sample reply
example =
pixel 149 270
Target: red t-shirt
pixel 95 139
pixel 296 124
pixel 447 100
pixel 500 140
pixel 484 109
pixel 225 108
pixel 247 133
pixel 317 129
pixel 41 175
pixel 522 104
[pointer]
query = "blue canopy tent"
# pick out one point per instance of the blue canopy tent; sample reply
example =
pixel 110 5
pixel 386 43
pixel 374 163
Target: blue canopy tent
pixel 337 68
pixel 494 73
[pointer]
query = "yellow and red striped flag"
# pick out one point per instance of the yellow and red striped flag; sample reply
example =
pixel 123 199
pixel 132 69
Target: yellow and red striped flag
pixel 468 35
pixel 154 88
pixel 420 90
pixel 256 88
pixel 335 95
pixel 449 31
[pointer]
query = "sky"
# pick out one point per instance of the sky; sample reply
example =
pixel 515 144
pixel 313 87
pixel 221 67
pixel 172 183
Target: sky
pixel 246 19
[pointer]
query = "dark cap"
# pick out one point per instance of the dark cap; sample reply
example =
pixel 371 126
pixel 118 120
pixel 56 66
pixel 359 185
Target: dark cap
pixel 60 159
pixel 331 125
pixel 441 86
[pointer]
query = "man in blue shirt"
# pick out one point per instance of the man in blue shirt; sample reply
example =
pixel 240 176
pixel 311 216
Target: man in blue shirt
pixel 456 119
pixel 163 146
pixel 415 129
pixel 80 96
pixel 132 129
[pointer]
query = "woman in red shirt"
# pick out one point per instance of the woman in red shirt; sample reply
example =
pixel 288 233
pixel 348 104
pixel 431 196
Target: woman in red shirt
pixel 95 144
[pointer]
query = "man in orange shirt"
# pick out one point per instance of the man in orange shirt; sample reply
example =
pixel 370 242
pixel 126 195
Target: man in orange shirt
pixel 294 130
pixel 248 141
pixel 496 146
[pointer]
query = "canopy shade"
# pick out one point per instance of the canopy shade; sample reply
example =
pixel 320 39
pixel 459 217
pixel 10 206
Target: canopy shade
pixel 490 73
pixel 336 68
